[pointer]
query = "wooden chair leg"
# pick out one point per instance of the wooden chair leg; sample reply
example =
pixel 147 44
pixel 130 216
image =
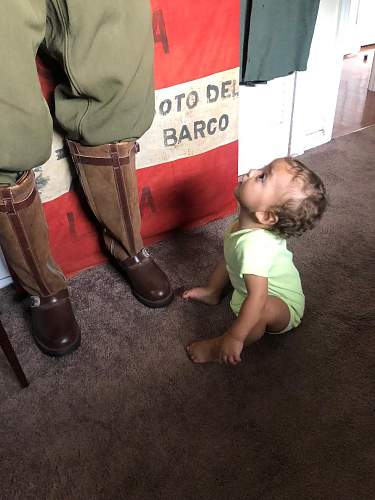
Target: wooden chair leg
pixel 11 356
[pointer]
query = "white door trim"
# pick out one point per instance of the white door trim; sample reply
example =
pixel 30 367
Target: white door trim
pixel 325 65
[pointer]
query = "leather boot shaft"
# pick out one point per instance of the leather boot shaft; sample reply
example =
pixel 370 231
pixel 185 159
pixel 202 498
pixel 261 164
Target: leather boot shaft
pixel 24 238
pixel 109 180
pixel 25 243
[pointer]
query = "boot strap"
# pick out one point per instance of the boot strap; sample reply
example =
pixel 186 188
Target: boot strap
pixel 123 159
pixel 50 300
pixel 8 205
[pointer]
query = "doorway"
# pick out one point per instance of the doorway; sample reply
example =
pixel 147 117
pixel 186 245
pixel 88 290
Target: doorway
pixel 355 103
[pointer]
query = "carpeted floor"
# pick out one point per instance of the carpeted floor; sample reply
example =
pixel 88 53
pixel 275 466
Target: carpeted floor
pixel 128 416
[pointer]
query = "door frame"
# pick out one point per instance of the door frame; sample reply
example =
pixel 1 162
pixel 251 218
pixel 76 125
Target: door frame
pixel 301 138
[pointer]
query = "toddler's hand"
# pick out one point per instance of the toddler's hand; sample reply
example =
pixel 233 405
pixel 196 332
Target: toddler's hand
pixel 231 349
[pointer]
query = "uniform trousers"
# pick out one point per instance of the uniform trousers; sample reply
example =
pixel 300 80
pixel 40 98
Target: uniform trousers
pixel 106 50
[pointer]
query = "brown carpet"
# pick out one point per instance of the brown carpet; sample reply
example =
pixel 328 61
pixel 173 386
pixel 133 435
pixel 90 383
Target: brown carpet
pixel 129 417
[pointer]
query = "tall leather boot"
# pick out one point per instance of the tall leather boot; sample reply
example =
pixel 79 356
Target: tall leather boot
pixel 109 180
pixel 24 241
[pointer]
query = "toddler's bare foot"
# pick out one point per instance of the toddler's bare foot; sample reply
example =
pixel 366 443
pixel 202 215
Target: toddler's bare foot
pixel 202 294
pixel 205 351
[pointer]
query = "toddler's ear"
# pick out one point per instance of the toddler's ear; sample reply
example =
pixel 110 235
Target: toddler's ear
pixel 267 218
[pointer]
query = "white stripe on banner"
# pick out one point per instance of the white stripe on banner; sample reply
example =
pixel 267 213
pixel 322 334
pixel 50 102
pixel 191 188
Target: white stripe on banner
pixel 191 118
pixel 54 177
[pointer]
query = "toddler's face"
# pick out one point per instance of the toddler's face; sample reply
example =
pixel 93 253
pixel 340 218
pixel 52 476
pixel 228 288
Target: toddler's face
pixel 266 187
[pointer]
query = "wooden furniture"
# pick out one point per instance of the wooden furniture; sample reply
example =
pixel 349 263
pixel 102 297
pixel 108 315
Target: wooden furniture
pixel 11 356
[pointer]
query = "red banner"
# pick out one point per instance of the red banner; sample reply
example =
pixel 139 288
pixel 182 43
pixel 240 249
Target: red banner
pixel 187 167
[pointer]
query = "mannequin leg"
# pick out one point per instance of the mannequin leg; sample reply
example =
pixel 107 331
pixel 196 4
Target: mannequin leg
pixel 26 137
pixel 106 105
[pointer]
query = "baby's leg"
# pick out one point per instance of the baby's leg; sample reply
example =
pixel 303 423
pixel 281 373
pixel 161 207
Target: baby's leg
pixel 202 294
pixel 276 315
pixel 205 351
pixel 211 293
pixel 275 319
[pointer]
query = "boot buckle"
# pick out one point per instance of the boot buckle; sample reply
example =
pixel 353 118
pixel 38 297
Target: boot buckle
pixel 145 252
pixel 33 301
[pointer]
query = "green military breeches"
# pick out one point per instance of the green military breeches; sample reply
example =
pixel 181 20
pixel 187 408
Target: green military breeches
pixel 106 50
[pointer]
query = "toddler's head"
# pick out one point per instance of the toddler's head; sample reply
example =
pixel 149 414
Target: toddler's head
pixel 285 197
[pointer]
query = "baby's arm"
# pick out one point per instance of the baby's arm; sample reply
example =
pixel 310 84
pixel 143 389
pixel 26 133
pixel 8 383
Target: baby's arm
pixel 259 312
pixel 250 324
pixel 211 293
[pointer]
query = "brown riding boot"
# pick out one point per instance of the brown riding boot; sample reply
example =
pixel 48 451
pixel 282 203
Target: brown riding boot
pixel 109 180
pixel 24 241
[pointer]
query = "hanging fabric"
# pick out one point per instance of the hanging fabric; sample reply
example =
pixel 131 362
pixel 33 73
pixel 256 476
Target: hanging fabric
pixel 275 37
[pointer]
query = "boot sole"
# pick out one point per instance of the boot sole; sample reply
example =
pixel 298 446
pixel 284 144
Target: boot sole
pixel 57 354
pixel 154 304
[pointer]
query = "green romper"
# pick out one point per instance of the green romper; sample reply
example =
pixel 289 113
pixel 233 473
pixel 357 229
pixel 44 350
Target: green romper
pixel 106 50
pixel 263 253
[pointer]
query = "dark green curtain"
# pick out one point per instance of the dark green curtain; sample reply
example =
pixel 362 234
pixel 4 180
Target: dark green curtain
pixel 275 37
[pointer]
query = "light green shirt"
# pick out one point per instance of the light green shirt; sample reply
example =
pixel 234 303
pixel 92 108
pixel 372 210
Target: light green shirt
pixel 263 253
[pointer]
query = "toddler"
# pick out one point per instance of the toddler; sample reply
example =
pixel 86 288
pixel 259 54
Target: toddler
pixel 283 199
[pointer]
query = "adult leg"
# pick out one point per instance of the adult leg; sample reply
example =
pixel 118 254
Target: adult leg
pixel 26 136
pixel 107 105
pixel 25 122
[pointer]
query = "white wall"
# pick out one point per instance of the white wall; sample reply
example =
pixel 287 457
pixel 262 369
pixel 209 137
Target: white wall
pixel 352 43
pixel 366 22
pixel 264 122
pixel 360 16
